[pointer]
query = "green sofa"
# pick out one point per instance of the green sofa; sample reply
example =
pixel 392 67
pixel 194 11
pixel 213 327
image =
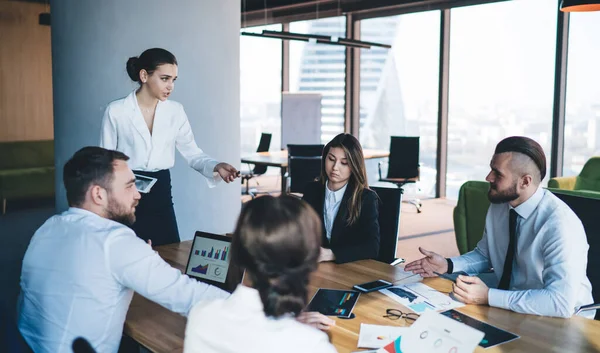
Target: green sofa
pixel 588 179
pixel 469 214
pixel 26 170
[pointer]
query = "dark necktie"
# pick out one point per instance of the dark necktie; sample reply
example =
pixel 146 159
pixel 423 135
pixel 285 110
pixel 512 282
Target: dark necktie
pixel 510 252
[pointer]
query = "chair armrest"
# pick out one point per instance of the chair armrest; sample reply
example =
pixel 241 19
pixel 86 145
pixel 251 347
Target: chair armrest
pixel 379 164
pixel 588 307
pixel 565 183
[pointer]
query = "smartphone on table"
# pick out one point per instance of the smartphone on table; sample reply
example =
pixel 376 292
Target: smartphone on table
pixel 372 286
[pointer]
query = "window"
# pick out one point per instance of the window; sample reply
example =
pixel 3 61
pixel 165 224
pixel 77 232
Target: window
pixel 501 82
pixel 260 89
pixel 399 86
pixel 582 121
pixel 320 68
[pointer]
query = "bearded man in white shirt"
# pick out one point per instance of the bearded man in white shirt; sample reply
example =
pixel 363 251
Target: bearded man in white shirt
pixel 533 242
pixel 82 266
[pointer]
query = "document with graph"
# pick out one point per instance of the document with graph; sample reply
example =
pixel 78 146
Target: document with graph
pixel 420 297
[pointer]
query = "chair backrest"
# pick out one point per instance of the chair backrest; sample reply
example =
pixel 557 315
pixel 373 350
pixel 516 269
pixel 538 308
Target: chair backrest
pixel 263 146
pixel 586 208
pixel 469 214
pixel 404 157
pixel 303 170
pixel 389 221
pixel 81 345
pixel 305 150
pixel 589 178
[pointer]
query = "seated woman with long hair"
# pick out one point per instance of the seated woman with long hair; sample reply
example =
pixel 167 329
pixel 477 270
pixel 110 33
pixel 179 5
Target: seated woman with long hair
pixel 348 208
pixel 277 241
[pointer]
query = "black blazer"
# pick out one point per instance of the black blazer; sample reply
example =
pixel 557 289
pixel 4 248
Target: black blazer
pixel 348 243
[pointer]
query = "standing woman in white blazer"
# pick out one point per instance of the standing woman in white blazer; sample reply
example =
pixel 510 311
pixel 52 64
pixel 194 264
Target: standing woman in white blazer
pixel 147 127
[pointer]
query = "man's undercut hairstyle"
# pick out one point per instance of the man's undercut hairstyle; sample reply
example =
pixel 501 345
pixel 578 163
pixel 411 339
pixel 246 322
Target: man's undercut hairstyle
pixel 527 147
pixel 89 166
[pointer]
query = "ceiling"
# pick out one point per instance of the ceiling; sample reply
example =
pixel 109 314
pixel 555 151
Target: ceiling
pixel 260 12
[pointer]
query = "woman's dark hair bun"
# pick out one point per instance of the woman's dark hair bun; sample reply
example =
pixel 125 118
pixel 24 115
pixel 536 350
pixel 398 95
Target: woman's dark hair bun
pixel 149 60
pixel 133 68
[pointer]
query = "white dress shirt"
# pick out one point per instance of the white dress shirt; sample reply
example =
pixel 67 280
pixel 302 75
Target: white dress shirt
pixel 549 267
pixel 124 129
pixel 79 274
pixel 331 207
pixel 239 324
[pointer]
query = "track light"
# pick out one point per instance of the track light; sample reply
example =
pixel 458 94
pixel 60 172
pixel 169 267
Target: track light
pixel 318 38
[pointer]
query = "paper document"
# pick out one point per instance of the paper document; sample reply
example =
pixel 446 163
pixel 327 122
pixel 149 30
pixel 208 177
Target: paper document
pixel 420 298
pixel 435 333
pixel 402 276
pixel 377 336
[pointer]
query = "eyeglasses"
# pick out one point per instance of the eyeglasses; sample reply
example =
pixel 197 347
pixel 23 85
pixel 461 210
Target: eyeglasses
pixel 395 314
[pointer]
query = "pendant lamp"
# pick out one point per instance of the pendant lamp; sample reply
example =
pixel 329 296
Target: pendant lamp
pixel 579 5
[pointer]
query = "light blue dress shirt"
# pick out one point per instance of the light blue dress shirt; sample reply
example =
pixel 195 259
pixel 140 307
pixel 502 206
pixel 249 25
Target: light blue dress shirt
pixel 549 267
pixel 79 274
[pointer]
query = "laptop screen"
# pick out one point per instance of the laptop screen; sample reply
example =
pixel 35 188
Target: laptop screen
pixel 209 261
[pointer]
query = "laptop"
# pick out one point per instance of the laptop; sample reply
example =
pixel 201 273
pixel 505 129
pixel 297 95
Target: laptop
pixel 209 261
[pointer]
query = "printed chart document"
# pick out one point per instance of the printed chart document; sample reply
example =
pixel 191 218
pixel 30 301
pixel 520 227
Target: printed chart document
pixel 377 336
pixel 435 333
pixel 421 298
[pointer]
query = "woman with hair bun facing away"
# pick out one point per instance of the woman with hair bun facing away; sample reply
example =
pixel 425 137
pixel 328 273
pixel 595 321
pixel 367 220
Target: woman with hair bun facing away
pixel 277 241
pixel 147 127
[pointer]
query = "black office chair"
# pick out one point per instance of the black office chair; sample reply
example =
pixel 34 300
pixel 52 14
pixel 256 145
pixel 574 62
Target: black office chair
pixel 304 166
pixel 403 166
pixel 586 208
pixel 389 222
pixel 305 150
pixel 81 345
pixel 301 171
pixel 263 146
pixel 11 339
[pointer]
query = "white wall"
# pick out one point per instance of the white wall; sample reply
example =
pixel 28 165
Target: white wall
pixel 91 42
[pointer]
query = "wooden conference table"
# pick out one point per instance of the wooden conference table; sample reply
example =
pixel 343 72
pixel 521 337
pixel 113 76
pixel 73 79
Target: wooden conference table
pixel 279 159
pixel 162 331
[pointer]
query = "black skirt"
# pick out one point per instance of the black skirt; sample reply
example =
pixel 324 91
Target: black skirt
pixel 155 217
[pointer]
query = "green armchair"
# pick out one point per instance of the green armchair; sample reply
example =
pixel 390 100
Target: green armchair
pixel 470 213
pixel 588 179
pixel 26 170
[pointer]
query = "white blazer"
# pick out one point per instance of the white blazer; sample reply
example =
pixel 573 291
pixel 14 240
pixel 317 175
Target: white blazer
pixel 124 129
pixel 239 324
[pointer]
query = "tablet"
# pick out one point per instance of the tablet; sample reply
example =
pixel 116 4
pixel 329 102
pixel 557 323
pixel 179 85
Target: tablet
pixel 334 302
pixel 144 183
pixel 209 261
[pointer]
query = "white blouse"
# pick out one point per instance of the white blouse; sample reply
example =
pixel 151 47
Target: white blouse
pixel 239 324
pixel 333 199
pixel 124 129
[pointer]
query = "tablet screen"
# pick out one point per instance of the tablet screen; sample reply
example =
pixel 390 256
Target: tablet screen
pixel 209 259
pixel 144 183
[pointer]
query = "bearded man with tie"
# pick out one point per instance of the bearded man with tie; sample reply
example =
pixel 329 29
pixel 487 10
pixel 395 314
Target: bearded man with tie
pixel 533 242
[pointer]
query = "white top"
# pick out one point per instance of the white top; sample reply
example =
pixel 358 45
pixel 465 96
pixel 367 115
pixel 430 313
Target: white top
pixel 79 274
pixel 331 207
pixel 549 267
pixel 124 129
pixel 239 324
